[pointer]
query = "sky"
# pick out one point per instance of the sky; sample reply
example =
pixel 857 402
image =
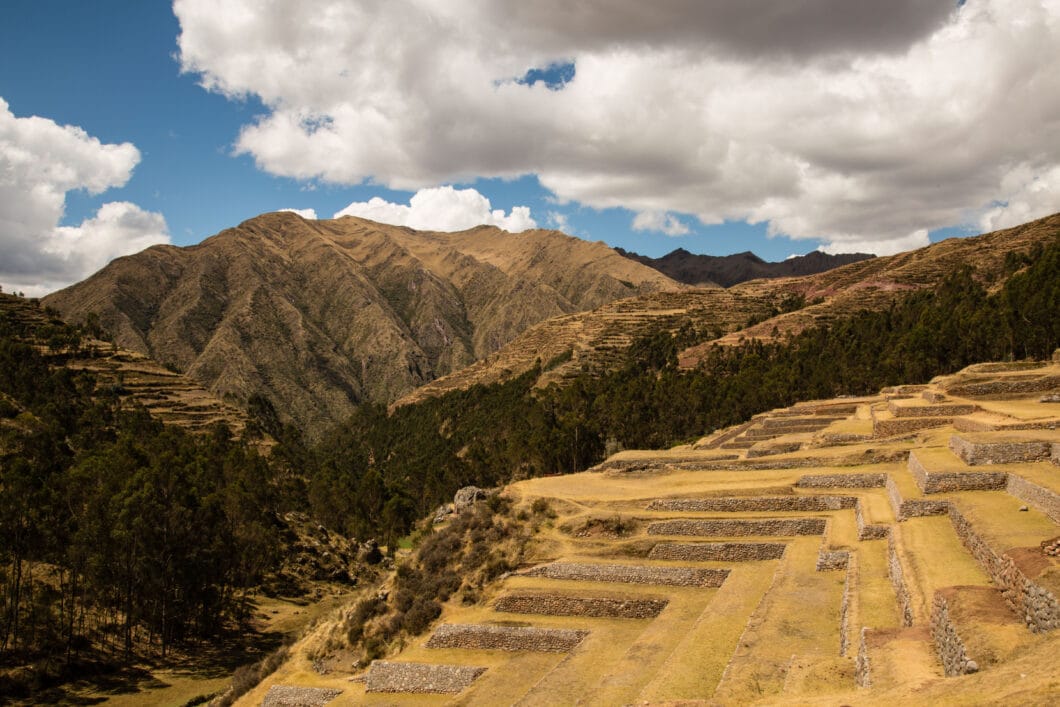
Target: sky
pixel 720 127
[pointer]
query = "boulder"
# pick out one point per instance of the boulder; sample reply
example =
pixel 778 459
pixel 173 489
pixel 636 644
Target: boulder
pixel 466 497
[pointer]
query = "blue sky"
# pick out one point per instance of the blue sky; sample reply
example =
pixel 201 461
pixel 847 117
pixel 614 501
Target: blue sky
pixel 638 129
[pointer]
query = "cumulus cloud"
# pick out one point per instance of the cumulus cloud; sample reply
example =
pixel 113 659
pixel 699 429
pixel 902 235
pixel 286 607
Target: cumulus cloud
pixel 856 122
pixel 310 214
pixel 442 209
pixel 40 161
pixel 659 222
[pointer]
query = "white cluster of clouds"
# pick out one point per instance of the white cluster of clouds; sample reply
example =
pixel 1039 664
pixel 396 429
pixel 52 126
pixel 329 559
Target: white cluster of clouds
pixel 659 222
pixel 40 161
pixel 442 209
pixel 859 122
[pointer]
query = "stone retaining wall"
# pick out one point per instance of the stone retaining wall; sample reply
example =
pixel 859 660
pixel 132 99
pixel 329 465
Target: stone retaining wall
pixel 948 644
pixel 867 531
pixel 981 389
pixel 897 576
pixel 739 527
pixel 946 481
pixel 723 552
pixel 568 605
pixel 842 481
pixel 850 583
pixel 385 676
pixel 773 449
pixel 905 425
pixel 828 560
pixel 913 508
pixel 1034 604
pixel 817 421
pixel 506 638
pixel 755 503
pixel 1045 500
pixel 1008 452
pixel 287 695
pixel 631 574
pixel 862 665
pixel 940 410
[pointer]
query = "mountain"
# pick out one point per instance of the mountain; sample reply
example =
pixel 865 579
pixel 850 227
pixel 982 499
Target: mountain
pixel 319 316
pixel 761 309
pixel 729 270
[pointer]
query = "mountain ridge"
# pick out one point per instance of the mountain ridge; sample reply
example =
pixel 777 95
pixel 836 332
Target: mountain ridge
pixel 366 311
pixel 728 270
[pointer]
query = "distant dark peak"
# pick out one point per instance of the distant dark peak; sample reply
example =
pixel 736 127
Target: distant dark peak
pixel 729 270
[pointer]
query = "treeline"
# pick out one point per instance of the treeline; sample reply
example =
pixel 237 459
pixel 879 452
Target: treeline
pixel 118 534
pixel 378 473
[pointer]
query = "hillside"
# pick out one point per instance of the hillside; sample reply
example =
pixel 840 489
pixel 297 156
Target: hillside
pixel 893 547
pixel 760 309
pixel 729 270
pixel 319 316
pixel 136 379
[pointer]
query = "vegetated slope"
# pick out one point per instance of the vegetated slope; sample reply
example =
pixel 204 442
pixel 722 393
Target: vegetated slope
pixel 729 270
pixel 378 472
pixel 319 316
pixel 898 546
pixel 131 377
pixel 759 309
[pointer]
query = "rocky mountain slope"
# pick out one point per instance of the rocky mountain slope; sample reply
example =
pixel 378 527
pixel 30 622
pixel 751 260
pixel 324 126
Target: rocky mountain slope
pixel 319 316
pixel 729 270
pixel 763 309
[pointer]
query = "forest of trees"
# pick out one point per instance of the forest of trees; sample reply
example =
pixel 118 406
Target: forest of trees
pixel 119 534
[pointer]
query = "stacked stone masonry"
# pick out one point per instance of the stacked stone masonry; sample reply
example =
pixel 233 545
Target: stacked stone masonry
pixel 842 481
pixel 755 503
pixel 976 453
pixel 948 644
pixel 296 696
pixel 722 552
pixel 828 560
pixel 947 481
pixel 506 638
pixel 897 577
pixel 773 449
pixel 742 527
pixel 862 665
pixel 941 410
pixel 1035 605
pixel 913 508
pixel 868 531
pixel 631 574
pixel 568 605
pixel 385 676
pixel 1009 386
pixel 1045 500
pixel 850 583
pixel 906 425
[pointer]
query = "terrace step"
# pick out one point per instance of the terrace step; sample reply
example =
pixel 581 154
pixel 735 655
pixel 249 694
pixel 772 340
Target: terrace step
pixel 973 630
pixel 630 574
pixel 506 638
pixel 1001 448
pixel 739 527
pixel 612 607
pixel 937 470
pixel 741 504
pixel 386 676
pixel 721 552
